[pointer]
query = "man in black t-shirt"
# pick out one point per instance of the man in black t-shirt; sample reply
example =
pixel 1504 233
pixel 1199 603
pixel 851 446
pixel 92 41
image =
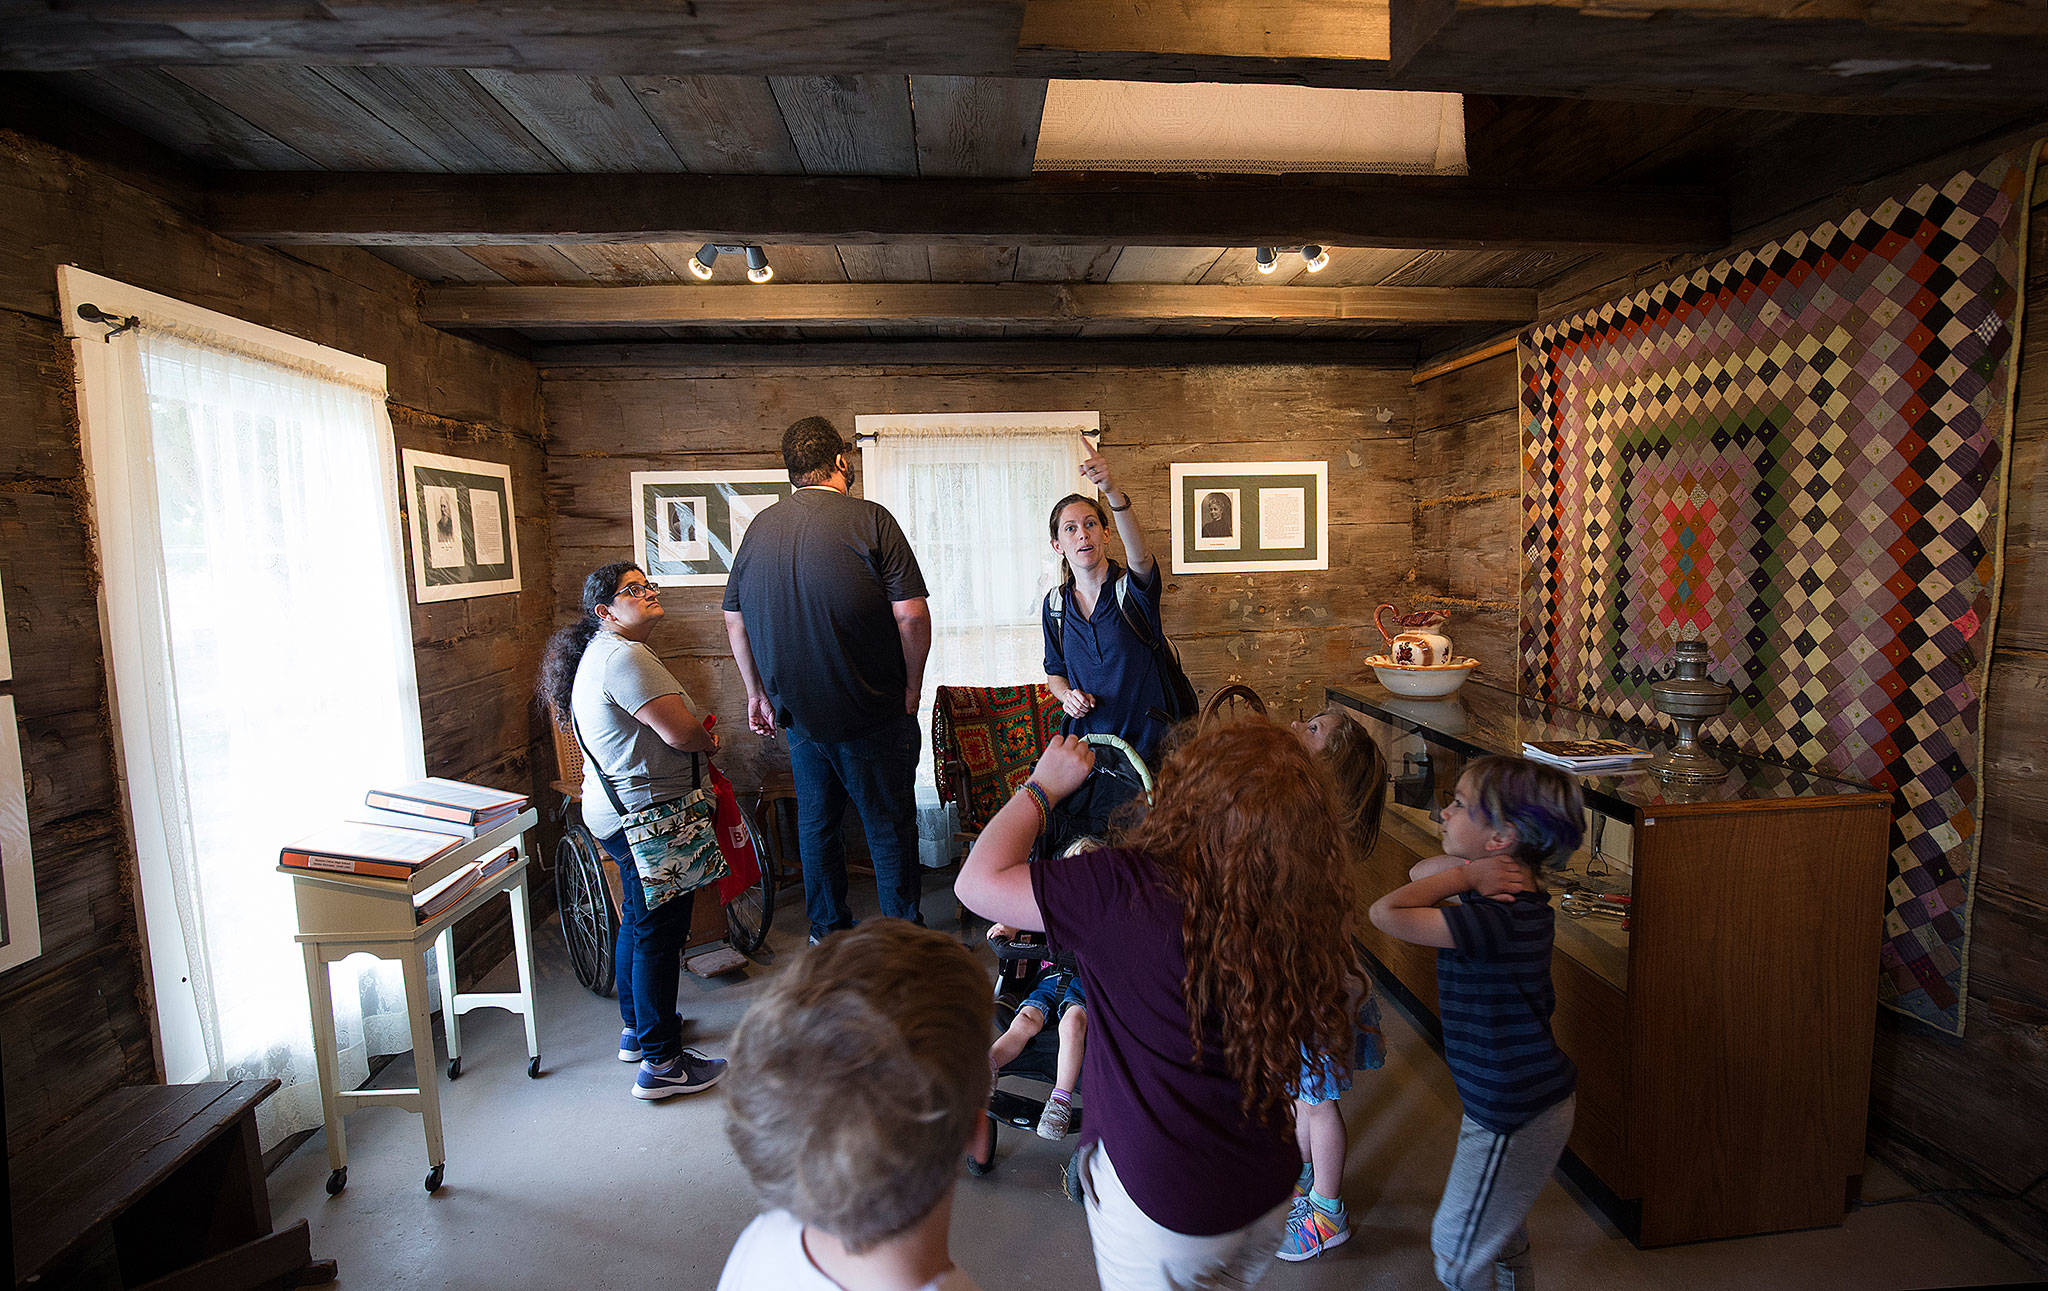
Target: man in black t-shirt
pixel 825 609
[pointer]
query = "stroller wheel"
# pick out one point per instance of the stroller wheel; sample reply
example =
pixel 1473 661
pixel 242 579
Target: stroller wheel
pixel 1073 1177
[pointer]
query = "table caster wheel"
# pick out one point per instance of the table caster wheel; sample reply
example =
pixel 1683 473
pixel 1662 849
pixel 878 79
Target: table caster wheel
pixel 533 1068
pixel 454 1068
pixel 434 1179
pixel 336 1181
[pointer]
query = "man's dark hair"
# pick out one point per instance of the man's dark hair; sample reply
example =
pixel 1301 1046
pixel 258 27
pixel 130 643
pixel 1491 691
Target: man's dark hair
pixel 809 449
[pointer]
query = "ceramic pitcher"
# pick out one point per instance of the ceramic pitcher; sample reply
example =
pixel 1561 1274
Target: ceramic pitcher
pixel 1418 644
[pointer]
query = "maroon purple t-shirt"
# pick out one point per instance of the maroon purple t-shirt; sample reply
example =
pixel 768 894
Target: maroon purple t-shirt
pixel 1187 1154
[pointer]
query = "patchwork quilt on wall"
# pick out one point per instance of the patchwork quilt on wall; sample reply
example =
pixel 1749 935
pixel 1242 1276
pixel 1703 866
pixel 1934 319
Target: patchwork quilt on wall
pixel 1798 454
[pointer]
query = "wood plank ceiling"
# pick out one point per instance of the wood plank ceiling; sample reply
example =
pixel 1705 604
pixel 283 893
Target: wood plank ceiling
pixel 392 117
pixel 454 121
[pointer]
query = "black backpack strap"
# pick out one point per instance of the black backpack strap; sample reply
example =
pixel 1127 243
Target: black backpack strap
pixel 1054 608
pixel 1133 619
pixel 604 777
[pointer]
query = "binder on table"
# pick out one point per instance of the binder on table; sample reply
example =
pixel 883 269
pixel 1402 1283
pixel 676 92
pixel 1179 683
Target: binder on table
pixel 437 798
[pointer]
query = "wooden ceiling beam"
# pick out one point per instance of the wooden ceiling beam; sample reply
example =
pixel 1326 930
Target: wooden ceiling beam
pixel 1178 351
pixel 1395 211
pixel 796 304
pixel 1902 56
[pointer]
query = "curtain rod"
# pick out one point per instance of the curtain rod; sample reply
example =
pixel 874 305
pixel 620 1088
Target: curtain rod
pixel 870 436
pixel 92 313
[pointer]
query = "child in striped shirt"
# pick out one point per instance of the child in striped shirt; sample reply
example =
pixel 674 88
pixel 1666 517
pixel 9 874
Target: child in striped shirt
pixel 1509 819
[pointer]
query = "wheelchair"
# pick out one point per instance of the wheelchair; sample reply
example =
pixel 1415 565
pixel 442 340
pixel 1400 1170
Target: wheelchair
pixel 1119 776
pixel 587 894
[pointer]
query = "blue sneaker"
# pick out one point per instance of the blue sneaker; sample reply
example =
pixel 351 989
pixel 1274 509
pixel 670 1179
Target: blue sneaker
pixel 687 1073
pixel 629 1045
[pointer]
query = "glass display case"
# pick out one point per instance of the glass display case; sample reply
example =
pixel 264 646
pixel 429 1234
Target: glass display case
pixel 1715 962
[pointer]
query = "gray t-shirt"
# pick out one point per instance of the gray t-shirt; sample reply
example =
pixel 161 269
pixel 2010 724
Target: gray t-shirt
pixel 615 679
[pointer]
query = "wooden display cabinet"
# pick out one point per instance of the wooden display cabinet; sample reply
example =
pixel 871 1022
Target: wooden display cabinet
pixel 1723 1035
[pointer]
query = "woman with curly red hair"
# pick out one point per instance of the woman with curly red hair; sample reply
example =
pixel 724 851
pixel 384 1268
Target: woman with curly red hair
pixel 1209 934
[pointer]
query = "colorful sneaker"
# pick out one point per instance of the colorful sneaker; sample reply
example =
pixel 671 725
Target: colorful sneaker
pixel 687 1073
pixel 629 1045
pixel 1311 1230
pixel 1052 1122
pixel 1302 1183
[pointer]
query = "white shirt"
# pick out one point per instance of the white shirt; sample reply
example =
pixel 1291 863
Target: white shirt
pixel 770 1256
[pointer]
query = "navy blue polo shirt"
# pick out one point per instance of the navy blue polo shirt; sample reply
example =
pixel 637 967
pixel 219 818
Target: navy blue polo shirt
pixel 1099 654
pixel 1495 999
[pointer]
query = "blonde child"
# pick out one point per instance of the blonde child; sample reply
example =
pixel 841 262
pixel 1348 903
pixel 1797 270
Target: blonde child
pixel 1317 1219
pixel 859 1082
pixel 1509 819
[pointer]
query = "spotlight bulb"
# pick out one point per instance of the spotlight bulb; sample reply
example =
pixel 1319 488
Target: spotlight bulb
pixel 700 264
pixel 1313 258
pixel 758 268
pixel 1267 258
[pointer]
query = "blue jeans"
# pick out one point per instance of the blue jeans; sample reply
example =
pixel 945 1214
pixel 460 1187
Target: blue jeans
pixel 646 960
pixel 875 772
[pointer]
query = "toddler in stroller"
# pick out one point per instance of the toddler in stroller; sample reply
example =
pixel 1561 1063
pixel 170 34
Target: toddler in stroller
pixel 1038 985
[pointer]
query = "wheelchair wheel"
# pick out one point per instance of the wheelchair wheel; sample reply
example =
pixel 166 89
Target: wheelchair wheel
pixel 748 915
pixel 590 922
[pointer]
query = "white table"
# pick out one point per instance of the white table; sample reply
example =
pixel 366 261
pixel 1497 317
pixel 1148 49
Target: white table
pixel 347 914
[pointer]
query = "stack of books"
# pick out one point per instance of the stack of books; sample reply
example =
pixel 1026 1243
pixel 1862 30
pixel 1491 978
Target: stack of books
pixel 447 806
pixel 1587 757
pixel 440 897
pixel 376 851
pixel 399 831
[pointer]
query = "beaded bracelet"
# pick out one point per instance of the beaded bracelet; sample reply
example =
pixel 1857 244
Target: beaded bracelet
pixel 1040 800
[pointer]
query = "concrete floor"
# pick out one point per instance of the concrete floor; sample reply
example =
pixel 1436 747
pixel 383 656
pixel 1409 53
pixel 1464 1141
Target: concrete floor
pixel 568 1181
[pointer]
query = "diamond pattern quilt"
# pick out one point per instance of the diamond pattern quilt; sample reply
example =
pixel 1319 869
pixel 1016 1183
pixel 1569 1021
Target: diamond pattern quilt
pixel 1797 454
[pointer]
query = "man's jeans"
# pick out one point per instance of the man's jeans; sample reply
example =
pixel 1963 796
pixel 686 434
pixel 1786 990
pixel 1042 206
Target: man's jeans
pixel 875 771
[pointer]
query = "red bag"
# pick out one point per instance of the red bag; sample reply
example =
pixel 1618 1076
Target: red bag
pixel 743 866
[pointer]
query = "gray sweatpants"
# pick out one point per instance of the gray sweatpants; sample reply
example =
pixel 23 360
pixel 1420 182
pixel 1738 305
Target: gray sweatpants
pixel 1478 1236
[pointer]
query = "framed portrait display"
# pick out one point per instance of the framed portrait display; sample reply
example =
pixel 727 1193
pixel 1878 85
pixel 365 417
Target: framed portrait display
pixel 689 524
pixel 20 934
pixel 464 542
pixel 1250 517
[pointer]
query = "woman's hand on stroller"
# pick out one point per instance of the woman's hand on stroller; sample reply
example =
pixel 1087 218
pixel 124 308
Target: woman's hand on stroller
pixel 1065 763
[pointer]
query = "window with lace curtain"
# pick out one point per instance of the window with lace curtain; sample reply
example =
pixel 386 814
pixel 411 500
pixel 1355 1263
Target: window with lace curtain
pixel 972 492
pixel 260 660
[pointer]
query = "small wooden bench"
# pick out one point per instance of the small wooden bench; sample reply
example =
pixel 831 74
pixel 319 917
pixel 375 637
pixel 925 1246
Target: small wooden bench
pixel 162 1187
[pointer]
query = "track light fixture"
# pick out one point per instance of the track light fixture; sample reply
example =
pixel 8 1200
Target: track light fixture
pixel 758 269
pixel 1313 257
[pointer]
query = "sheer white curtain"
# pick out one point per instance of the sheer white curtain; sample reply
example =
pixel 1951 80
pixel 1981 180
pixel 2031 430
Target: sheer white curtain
pixel 972 492
pixel 263 670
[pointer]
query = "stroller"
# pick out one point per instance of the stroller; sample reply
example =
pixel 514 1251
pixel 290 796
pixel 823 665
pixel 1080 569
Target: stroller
pixel 1119 777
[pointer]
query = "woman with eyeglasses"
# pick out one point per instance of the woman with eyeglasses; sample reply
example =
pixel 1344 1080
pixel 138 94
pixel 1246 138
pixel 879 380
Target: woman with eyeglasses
pixel 640 731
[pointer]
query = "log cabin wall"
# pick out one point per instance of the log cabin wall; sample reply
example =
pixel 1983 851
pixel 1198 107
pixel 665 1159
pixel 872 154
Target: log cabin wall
pixel 74 1022
pixel 1283 634
pixel 1468 509
pixel 1947 1113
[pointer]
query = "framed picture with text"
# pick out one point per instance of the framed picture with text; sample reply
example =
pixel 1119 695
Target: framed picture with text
pixel 688 525
pixel 20 931
pixel 464 542
pixel 1250 517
